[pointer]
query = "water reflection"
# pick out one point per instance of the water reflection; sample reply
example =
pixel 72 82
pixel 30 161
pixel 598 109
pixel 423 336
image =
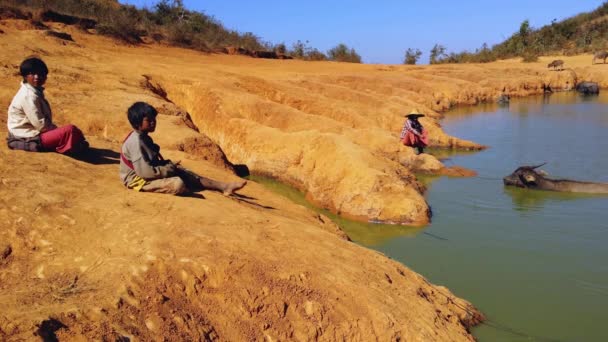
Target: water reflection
pixel 445 154
pixel 534 200
pixel 529 105
pixel 516 254
pixel 537 253
pixel 369 234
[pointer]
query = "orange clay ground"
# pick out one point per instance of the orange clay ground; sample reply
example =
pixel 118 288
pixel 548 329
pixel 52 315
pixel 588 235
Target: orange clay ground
pixel 83 258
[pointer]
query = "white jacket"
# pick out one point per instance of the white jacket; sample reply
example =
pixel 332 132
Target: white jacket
pixel 29 114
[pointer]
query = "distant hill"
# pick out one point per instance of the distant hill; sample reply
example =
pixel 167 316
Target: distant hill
pixel 167 21
pixel 583 33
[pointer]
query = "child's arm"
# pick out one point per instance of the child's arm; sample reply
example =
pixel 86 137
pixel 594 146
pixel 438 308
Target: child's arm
pixel 145 170
pixel 33 110
pixel 141 164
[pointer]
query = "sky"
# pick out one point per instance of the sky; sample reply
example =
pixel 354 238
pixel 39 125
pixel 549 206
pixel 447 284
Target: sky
pixel 382 30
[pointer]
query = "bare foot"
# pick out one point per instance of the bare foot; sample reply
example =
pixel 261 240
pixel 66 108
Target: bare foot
pixel 232 187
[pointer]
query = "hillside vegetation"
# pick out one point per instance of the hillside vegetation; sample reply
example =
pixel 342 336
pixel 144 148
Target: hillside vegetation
pixel 583 33
pixel 167 21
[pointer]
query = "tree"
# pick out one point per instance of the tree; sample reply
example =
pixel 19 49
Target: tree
pixel 341 53
pixel 298 49
pixel 412 56
pixel 169 12
pixel 280 48
pixel 315 55
pixel 437 52
pixel 524 29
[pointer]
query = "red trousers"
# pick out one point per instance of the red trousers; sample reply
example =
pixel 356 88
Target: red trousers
pixel 64 139
pixel 413 140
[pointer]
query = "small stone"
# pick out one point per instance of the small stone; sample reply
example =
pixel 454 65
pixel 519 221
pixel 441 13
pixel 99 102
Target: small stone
pixel 150 325
pixel 5 251
pixel 309 308
pixel 40 272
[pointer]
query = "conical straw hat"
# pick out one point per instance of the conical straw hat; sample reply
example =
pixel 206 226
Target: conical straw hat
pixel 415 113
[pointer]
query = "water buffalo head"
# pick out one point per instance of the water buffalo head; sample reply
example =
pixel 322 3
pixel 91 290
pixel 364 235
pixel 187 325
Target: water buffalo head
pixel 524 177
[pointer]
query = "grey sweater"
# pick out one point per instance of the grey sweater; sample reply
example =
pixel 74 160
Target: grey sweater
pixel 140 150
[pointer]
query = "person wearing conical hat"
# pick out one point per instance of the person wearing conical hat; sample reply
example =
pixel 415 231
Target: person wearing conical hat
pixel 413 134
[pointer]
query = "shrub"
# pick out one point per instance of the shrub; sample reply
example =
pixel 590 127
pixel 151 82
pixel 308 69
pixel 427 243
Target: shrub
pixel 341 53
pixel 412 56
pixel 168 18
pixel 586 32
pixel 280 48
pixel 315 55
pixel 298 49
pixel 437 53
pixel 529 57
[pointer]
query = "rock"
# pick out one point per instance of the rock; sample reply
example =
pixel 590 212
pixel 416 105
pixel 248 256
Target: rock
pixel 5 252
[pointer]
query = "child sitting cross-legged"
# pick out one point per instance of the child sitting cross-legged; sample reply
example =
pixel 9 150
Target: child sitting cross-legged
pixel 143 168
pixel 30 120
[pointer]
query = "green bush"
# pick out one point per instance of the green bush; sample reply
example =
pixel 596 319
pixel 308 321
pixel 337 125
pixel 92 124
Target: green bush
pixel 586 32
pixel 412 56
pixel 315 55
pixel 437 53
pixel 529 57
pixel 341 53
pixel 168 18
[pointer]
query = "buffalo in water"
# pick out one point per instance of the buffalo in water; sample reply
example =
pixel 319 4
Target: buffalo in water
pixel 503 100
pixel 527 177
pixel 588 88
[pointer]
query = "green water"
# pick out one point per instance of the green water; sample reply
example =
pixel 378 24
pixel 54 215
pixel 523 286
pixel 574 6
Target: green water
pixel 535 263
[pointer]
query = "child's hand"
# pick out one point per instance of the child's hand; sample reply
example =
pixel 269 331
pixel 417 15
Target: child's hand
pixel 169 170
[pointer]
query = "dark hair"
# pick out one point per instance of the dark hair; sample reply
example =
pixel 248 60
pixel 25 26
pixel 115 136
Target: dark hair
pixel 417 125
pixel 33 65
pixel 138 111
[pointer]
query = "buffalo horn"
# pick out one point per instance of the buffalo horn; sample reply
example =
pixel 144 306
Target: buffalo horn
pixel 537 166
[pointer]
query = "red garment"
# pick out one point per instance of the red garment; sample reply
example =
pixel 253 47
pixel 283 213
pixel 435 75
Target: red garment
pixel 64 139
pixel 413 140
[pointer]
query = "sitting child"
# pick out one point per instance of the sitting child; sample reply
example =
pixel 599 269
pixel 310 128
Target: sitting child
pixel 30 121
pixel 143 168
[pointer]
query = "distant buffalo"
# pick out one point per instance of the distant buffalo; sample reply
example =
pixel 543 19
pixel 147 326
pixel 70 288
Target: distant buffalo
pixel 600 55
pixel 558 63
pixel 588 88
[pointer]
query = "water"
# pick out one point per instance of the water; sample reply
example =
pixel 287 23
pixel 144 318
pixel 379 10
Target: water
pixel 534 262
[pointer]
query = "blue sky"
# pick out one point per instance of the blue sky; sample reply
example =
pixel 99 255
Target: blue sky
pixel 381 31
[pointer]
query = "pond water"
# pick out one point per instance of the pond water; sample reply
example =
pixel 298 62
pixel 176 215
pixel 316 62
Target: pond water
pixel 535 262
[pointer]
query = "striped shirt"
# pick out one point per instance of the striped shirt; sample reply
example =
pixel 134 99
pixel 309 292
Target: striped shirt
pixel 407 127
